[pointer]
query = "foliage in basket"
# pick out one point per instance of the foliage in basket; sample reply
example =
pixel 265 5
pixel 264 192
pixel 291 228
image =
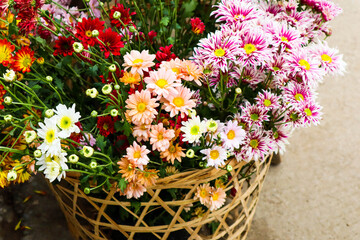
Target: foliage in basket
pixel 118 93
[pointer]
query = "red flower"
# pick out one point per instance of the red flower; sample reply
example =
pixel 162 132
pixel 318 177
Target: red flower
pixel 152 34
pixel 197 26
pixel 105 125
pixel 164 54
pixel 76 136
pixel 23 60
pixel 111 42
pixel 125 16
pixel 2 93
pixel 84 30
pixel 63 46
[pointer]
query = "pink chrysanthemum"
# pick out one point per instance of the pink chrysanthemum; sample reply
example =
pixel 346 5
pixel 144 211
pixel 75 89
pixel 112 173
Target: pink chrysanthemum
pixel 138 154
pixel 142 107
pixel 279 137
pixel 162 83
pixel 180 102
pixel 254 48
pixel 191 72
pixel 141 132
pixel 328 9
pixel 296 92
pixel 310 113
pixel 160 137
pixel 215 156
pixel 203 193
pixel 254 114
pixel 217 199
pixel 134 190
pixel 232 135
pixel 173 65
pixel 267 100
pixel 235 11
pixel 216 51
pixel 286 37
pixel 139 61
pixel 249 75
pixel 256 146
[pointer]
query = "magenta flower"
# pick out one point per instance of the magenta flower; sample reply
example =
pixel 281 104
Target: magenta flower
pixel 254 114
pixel 235 11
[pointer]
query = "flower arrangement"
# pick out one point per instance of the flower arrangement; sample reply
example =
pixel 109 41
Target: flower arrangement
pixel 127 93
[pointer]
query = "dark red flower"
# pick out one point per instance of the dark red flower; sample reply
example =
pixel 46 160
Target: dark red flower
pixel 2 93
pixel 27 21
pixel 76 136
pixel 111 42
pixel 84 30
pixel 125 16
pixel 164 55
pixel 63 46
pixel 197 26
pixel 105 124
pixel 152 34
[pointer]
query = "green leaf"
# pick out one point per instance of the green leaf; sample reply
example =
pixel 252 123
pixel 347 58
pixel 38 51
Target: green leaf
pixel 126 128
pixel 59 83
pixel 189 8
pixel 100 142
pixel 122 184
pixel 93 71
pixel 136 205
pixel 165 21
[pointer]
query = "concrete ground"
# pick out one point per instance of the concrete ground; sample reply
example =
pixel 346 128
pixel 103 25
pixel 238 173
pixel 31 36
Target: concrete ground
pixel 313 194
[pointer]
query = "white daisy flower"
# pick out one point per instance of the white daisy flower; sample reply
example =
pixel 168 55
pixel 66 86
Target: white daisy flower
pixel 52 171
pixel 215 156
pixel 193 129
pixel 9 76
pixel 50 133
pixel 66 119
pixel 54 167
pixel 233 135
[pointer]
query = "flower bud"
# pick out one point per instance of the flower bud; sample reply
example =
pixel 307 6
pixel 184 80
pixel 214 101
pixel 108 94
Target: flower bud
pixel 49 113
pixel 201 164
pixel 8 100
pixel 40 60
pixel 229 168
pixel 190 153
pixel 48 79
pixel 30 136
pixel 37 153
pixel 93 164
pixel 88 151
pixel 87 190
pixel 93 93
pixel 116 15
pixel 106 89
pixel 78 47
pixel 101 4
pixel 117 87
pixel 73 158
pixel 12 175
pixel 192 113
pixel 114 112
pixel 132 29
pixel 238 90
pixel 212 125
pixel 94 113
pixel 10 75
pixel 112 68
pixel 95 33
pixel 8 118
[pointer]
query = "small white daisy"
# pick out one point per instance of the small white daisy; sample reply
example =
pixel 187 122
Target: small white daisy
pixel 233 135
pixel 50 133
pixel 215 156
pixel 66 119
pixel 193 129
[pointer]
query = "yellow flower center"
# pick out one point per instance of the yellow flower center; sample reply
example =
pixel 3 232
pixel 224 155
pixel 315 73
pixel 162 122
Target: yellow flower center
pixel 137 154
pixel 267 102
pixel 194 130
pixel 161 83
pixel 254 116
pixel 141 107
pixel 231 134
pixel 138 61
pixel 203 193
pixel 276 135
pixel 105 126
pixel 305 64
pixel 50 135
pixel 175 70
pixel 215 196
pixel 254 143
pixel 276 69
pixel 308 112
pixel 65 122
pixel 219 52
pixel 284 39
pixel 249 48
pixel 326 58
pixel 88 33
pixel 178 101
pixel 299 97
pixel 26 62
pixel 48 159
pixel 237 17
pixel 160 136
pixel 4 53
pixel 172 149
pixel 214 154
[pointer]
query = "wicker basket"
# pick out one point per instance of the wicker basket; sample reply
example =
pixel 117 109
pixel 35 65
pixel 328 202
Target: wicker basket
pixel 87 216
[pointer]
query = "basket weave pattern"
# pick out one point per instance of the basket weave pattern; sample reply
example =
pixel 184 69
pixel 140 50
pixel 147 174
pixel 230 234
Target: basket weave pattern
pixel 92 221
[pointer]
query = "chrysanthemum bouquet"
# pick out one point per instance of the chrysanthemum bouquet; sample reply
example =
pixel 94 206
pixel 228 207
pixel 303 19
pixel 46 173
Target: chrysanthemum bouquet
pixel 117 93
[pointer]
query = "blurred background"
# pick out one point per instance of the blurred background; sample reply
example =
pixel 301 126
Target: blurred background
pixel 313 194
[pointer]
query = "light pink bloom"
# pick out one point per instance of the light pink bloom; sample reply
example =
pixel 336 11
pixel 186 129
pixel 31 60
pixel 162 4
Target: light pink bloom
pixel 232 135
pixel 139 62
pixel 141 132
pixel 217 199
pixel 215 156
pixel 180 102
pixel 142 107
pixel 160 137
pixel 138 154
pixel 162 83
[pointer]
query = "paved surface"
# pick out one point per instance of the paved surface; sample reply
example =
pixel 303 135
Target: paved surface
pixel 313 194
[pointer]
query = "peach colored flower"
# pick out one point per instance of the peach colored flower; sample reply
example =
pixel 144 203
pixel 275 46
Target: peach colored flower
pixel 138 62
pixel 131 79
pixel 203 193
pixel 172 153
pixel 148 177
pixel 217 199
pixel 138 154
pixel 180 102
pixel 141 132
pixel 160 137
pixel 142 107
pixel 134 190
pixel 127 169
pixel 174 65
pixel 162 83
pixel 191 71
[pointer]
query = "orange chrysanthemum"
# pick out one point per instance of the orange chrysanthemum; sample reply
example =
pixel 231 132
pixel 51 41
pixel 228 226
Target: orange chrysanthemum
pixel 6 48
pixel 23 60
pixel 172 153
pixel 131 79
pixel 148 177
pixel 127 169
